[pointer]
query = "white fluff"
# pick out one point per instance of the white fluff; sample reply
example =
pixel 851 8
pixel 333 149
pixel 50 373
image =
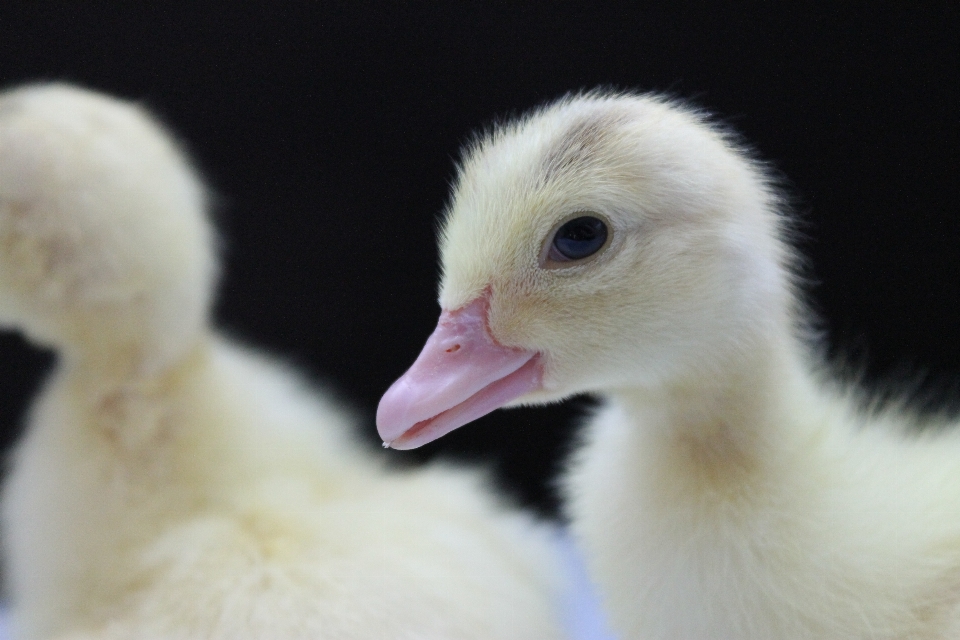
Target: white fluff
pixel 172 484
pixel 728 489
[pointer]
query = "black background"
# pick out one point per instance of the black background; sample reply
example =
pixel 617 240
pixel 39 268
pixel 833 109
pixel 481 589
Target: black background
pixel 329 132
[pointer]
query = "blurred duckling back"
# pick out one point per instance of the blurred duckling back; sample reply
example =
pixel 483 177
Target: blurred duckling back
pixel 173 484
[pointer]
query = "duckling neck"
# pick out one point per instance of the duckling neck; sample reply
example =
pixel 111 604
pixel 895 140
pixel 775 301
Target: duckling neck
pixel 724 433
pixel 124 401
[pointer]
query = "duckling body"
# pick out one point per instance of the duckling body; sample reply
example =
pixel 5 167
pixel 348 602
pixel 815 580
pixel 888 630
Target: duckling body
pixel 728 488
pixel 172 483
pixel 827 527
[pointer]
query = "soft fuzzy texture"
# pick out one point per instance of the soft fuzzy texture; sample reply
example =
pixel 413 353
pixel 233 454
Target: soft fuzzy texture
pixel 728 489
pixel 172 484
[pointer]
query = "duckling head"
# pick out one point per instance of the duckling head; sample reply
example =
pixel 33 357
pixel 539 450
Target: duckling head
pixel 606 241
pixel 105 248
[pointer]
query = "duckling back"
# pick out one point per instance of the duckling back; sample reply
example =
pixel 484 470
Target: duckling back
pixel 174 484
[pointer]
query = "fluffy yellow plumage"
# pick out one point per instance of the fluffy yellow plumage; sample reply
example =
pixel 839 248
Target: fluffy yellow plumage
pixel 172 484
pixel 727 489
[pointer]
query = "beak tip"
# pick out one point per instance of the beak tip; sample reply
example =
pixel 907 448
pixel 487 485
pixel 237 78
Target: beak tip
pixel 390 413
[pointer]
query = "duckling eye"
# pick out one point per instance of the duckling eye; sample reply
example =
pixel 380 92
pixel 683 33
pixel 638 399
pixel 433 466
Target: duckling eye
pixel 578 239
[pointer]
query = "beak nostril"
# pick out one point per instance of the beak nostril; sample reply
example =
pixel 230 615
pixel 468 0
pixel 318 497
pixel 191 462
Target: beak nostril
pixel 454 348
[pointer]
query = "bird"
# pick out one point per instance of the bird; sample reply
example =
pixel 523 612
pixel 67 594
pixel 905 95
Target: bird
pixel 732 484
pixel 172 482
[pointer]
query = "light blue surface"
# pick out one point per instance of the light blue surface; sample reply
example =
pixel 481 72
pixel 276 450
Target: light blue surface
pixel 583 618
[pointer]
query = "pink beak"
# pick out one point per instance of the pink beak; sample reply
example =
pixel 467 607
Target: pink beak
pixel 461 374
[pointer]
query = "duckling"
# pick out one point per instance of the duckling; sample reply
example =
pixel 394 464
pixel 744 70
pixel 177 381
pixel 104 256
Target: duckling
pixel 172 483
pixel 730 488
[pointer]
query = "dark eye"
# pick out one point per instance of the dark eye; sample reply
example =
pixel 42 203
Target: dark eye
pixel 578 239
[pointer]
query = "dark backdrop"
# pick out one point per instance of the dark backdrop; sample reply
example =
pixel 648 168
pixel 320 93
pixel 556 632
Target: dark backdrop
pixel 329 133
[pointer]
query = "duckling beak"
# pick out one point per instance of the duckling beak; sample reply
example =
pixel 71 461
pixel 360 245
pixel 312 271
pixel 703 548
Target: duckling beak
pixel 461 374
